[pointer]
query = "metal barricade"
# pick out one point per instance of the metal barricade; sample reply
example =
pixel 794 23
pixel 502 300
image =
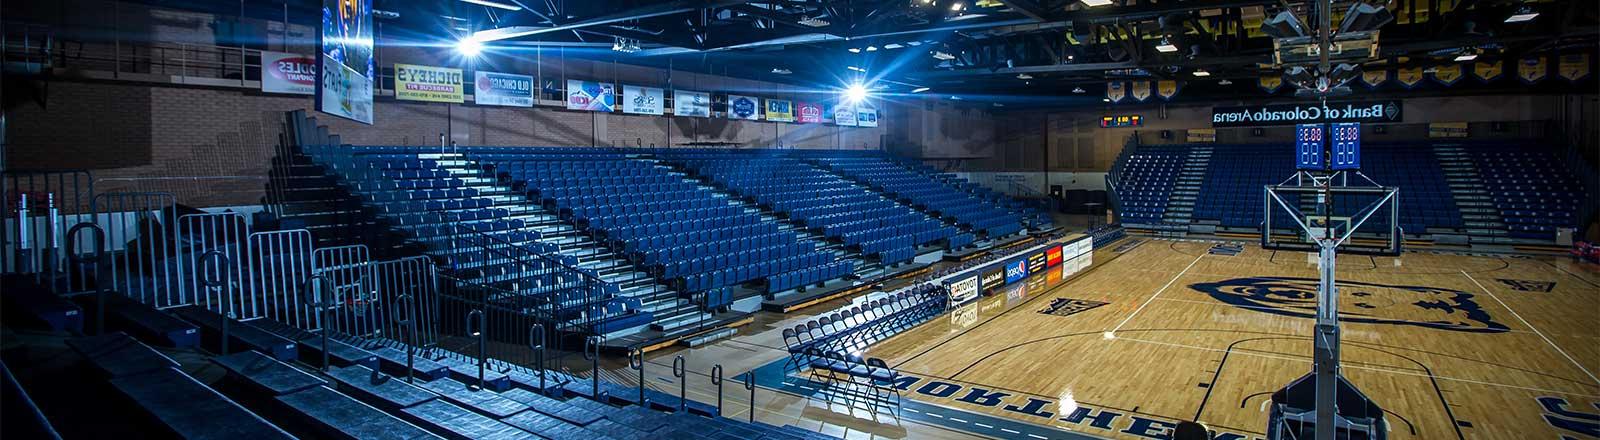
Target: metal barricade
pixel 279 263
pixel 146 268
pixel 54 199
pixel 348 269
pixel 199 234
pixel 412 279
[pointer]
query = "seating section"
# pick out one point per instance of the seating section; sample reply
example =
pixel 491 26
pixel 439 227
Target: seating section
pixel 829 345
pixel 1145 183
pixel 1533 191
pixel 957 203
pixel 839 209
pixel 688 236
pixel 1231 193
pixel 1425 198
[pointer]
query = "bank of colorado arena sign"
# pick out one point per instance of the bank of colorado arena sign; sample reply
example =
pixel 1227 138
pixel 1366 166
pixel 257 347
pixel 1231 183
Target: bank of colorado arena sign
pixel 1311 112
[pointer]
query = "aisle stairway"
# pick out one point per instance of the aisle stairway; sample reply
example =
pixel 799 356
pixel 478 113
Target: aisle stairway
pixel 1186 191
pixel 1478 214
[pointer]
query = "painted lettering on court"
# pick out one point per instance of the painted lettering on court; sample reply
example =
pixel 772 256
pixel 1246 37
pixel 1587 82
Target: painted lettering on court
pixel 1069 306
pixel 1557 414
pixel 1447 309
pixel 1528 285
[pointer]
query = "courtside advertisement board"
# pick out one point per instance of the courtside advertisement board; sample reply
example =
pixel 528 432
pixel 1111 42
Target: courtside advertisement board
pixel 1052 256
pixel 1036 262
pixel 964 290
pixel 993 278
pixel 1016 270
pixel 687 103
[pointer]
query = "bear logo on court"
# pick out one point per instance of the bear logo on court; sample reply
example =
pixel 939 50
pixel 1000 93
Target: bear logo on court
pixel 1419 306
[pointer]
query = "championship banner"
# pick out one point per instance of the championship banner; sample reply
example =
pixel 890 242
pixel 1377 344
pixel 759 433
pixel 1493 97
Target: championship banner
pixel 591 96
pixel 1487 71
pixel 688 103
pixel 1531 70
pixel 1141 90
pixel 346 64
pixel 1269 84
pixel 493 88
pixel 1374 78
pixel 1573 67
pixel 867 117
pixel 428 83
pixel 744 107
pixel 642 100
pixel 810 113
pixel 1115 91
pixel 1305 113
pixel 288 73
pixel 780 110
pixel 1409 77
pixel 844 115
pixel 1447 75
pixel 1167 89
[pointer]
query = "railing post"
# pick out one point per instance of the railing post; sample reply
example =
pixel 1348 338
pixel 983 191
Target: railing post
pixel 317 293
pixel 475 329
pixel 536 339
pixel 636 362
pixel 99 253
pixel 750 385
pixel 406 303
pixel 679 371
pixel 716 379
pixel 220 282
pixel 591 353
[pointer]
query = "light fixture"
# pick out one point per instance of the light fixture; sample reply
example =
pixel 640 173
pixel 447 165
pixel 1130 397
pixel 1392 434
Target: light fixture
pixel 494 4
pixel 919 90
pixel 1466 57
pixel 1166 46
pixel 855 50
pixel 1224 82
pixel 1201 73
pixel 1105 99
pixel 1096 3
pixel 957 6
pixel 855 93
pixel 892 46
pixel 813 22
pixel 996 104
pixel 943 56
pixel 858 69
pixel 872 48
pixel 1523 14
pixel 781 71
pixel 955 98
pixel 1077 90
pixel 1024 76
pixel 625 45
pixel 469 46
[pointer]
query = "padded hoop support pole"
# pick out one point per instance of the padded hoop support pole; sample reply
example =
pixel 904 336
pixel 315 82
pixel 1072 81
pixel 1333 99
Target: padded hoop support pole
pixel 591 353
pixel 404 303
pixel 679 370
pixel 99 253
pixel 636 362
pixel 716 379
pixel 750 385
pixel 219 281
pixel 475 329
pixel 536 341
pixel 318 293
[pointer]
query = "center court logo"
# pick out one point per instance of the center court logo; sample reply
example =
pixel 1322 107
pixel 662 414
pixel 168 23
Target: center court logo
pixel 1419 306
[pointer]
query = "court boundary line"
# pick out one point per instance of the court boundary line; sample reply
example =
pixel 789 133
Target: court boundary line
pixel 1157 294
pixel 1531 327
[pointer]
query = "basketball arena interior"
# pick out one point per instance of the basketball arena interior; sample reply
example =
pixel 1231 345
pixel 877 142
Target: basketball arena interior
pixel 800 219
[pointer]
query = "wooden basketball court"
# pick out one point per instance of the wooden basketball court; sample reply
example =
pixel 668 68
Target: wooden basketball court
pixel 1158 331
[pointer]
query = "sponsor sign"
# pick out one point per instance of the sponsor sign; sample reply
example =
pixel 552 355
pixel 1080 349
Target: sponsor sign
pixel 780 110
pixel 688 103
pixel 1036 262
pixel 288 73
pixel 993 278
pixel 963 290
pixel 428 83
pixel 810 113
pixel 591 96
pixel 844 115
pixel 1302 113
pixel 1052 256
pixel 492 88
pixel 643 100
pixel 1016 270
pixel 1447 129
pixel 744 107
pixel 867 117
pixel 347 51
pixel 1201 135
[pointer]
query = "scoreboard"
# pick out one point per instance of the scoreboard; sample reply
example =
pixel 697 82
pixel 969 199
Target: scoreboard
pixel 1346 145
pixel 1308 142
pixel 1324 147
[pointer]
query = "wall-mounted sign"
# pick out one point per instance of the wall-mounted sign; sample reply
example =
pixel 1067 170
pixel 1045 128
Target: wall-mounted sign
pixel 428 83
pixel 591 96
pixel 867 117
pixel 810 113
pixel 642 100
pixel 1201 135
pixel 744 107
pixel 780 110
pixel 1447 130
pixel 347 52
pixel 844 115
pixel 687 103
pixel 288 73
pixel 1121 121
pixel 493 88
pixel 1310 112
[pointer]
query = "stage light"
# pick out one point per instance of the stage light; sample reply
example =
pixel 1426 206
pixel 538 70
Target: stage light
pixel 919 90
pixel 855 93
pixel 494 4
pixel 1523 14
pixel 1166 46
pixel 469 46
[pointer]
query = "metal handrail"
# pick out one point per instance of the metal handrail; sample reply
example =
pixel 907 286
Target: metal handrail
pixel 99 253
pixel 476 316
pixel 221 263
pixel 410 323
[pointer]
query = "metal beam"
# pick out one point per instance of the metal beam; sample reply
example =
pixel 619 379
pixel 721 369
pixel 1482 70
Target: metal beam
pixel 1028 8
pixel 657 10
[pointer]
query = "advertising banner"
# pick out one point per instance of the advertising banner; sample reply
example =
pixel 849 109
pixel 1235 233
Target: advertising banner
pixel 345 93
pixel 428 83
pixel 1304 113
pixel 1167 89
pixel 1140 90
pixel 844 115
pixel 1052 256
pixel 993 278
pixel 810 113
pixel 1115 91
pixel 1573 67
pixel 744 107
pixel 347 68
pixel 288 73
pixel 643 100
pixel 687 103
pixel 591 96
pixel 780 110
pixel 1016 270
pixel 964 290
pixel 867 117
pixel 1036 262
pixel 493 88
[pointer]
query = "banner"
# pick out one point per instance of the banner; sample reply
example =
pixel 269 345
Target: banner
pixel 1447 75
pixel 1201 135
pixel 1531 70
pixel 592 96
pixel 1487 71
pixel 993 278
pixel 780 110
pixel 1037 262
pixel 346 67
pixel 1447 130
pixel 844 115
pixel 1167 89
pixel 1141 90
pixel 428 83
pixel 744 107
pixel 643 100
pixel 1289 114
pixel 288 73
pixel 810 113
pixel 1052 255
pixel 1016 271
pixel 494 88
pixel 687 103
pixel 1573 67
pixel 1115 91
pixel 1409 77
pixel 867 117
pixel 964 290
pixel 1374 78
pixel 1270 84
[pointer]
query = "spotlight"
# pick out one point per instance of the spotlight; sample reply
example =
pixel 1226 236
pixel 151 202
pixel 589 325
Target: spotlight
pixel 855 50
pixel 1283 25
pixel 1365 17
pixel 781 71
pixel 957 6
pixel 1224 82
pixel 1201 73
pixel 469 46
pixel 855 93
pixel 872 48
pixel 919 90
pixel 1466 57
pixel 1166 46
pixel 1523 14
pixel 1024 76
